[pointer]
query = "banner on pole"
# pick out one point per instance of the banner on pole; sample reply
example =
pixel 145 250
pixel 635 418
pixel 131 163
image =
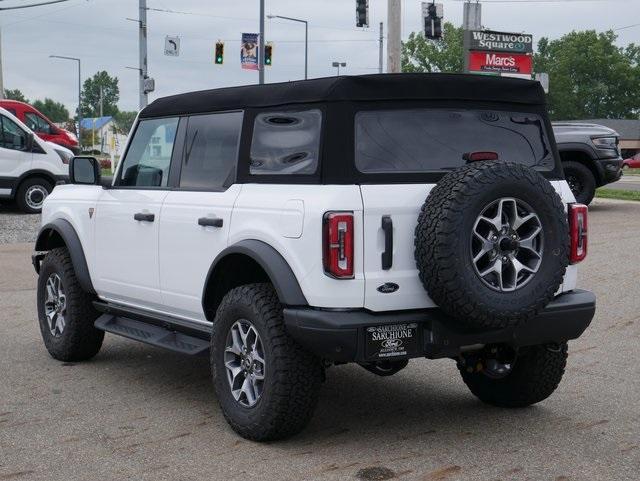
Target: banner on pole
pixel 249 51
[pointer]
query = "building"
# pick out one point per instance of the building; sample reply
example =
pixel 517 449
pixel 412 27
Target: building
pixel 106 137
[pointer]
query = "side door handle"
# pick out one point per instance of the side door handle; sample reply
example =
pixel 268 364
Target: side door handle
pixel 144 217
pixel 387 255
pixel 210 222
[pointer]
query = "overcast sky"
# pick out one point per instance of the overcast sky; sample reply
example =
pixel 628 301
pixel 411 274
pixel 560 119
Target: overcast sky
pixel 97 31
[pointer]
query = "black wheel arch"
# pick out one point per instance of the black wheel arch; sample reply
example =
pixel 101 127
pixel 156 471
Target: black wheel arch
pixel 585 155
pixel 250 261
pixel 44 174
pixel 60 233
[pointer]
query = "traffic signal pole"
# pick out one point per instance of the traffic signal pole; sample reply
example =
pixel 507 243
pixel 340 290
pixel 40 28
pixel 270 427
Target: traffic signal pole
pixel 394 35
pixel 261 46
pixel 143 52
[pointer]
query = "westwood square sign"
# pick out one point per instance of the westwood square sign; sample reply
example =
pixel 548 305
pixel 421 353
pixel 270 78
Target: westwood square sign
pixel 499 53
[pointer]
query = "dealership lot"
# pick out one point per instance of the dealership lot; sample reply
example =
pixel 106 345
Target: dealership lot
pixel 136 412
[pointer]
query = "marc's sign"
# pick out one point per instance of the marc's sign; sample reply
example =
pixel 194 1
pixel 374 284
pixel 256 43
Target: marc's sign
pixel 499 41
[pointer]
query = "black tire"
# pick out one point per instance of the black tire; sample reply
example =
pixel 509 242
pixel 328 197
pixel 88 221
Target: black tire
pixel 535 375
pixel 581 181
pixel 292 375
pixel 79 340
pixel 443 244
pixel 31 194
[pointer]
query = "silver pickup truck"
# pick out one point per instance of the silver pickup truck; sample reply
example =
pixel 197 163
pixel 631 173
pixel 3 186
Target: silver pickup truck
pixel 590 157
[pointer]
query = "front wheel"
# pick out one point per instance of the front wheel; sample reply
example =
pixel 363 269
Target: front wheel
pixel 528 378
pixel 581 181
pixel 31 194
pixel 266 384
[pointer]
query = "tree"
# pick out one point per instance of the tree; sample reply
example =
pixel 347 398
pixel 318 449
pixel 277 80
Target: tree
pixel 124 121
pixel 590 76
pixel 54 111
pixel 15 94
pixel 91 95
pixel 420 54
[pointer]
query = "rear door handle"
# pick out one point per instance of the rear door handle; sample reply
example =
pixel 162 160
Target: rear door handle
pixel 387 255
pixel 144 217
pixel 210 222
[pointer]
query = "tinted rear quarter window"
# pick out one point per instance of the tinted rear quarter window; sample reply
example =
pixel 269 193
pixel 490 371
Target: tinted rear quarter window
pixel 211 152
pixel 286 143
pixel 427 140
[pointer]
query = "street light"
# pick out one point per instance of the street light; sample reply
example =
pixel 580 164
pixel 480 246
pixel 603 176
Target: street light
pixel 338 65
pixel 306 39
pixel 79 94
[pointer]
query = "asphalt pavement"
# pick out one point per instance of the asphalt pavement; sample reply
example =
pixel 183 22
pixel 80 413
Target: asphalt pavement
pixel 141 413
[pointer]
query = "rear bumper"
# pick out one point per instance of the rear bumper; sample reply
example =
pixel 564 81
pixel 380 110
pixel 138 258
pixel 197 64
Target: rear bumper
pixel 340 335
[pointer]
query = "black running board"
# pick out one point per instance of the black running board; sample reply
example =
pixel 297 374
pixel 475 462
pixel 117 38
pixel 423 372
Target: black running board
pixel 155 335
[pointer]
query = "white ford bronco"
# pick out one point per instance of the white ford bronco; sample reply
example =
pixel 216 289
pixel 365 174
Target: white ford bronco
pixel 290 227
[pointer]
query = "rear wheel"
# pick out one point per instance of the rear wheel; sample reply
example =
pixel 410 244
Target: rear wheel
pixel 266 384
pixel 581 181
pixel 530 377
pixel 31 194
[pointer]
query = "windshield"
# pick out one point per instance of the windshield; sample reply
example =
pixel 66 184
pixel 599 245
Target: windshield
pixel 427 140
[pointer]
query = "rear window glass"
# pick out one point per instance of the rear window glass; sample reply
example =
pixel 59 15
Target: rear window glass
pixel 286 143
pixel 427 140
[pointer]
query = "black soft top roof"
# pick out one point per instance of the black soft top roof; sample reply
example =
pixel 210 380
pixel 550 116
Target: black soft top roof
pixel 414 86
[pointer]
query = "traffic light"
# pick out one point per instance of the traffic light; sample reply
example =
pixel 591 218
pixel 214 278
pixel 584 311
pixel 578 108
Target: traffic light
pixel 268 54
pixel 362 13
pixel 219 58
pixel 432 14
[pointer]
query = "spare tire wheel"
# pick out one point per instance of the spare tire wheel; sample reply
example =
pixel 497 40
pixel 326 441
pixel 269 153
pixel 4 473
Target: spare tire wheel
pixel 491 244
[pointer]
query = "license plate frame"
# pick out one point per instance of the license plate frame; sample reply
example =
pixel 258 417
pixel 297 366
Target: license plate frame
pixel 392 341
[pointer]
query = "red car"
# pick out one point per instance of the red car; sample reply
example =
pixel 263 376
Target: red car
pixel 632 162
pixel 42 126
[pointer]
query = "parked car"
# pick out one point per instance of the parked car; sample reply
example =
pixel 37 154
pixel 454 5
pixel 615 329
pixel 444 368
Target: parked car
pixel 632 162
pixel 41 125
pixel 289 227
pixel 29 166
pixel 590 157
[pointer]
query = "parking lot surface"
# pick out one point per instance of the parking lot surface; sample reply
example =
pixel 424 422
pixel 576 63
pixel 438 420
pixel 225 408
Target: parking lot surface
pixel 137 412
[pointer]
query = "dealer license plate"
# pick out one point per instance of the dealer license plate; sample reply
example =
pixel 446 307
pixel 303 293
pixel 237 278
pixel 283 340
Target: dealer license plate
pixel 391 340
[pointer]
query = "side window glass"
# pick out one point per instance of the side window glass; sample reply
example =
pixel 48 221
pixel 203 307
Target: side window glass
pixel 211 151
pixel 13 137
pixel 148 158
pixel 37 123
pixel 286 143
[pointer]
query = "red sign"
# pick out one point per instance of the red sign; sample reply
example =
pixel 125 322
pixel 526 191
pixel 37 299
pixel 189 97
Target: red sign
pixel 500 62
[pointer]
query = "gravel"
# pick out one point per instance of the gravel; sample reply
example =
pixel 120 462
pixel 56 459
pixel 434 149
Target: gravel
pixel 16 226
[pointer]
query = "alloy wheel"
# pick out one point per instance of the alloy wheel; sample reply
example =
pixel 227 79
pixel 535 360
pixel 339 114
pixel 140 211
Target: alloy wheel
pixel 244 361
pixel 55 305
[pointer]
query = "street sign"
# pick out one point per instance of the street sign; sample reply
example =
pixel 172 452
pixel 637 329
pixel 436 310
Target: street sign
pixel 488 40
pixel 149 85
pixel 172 46
pixel 249 51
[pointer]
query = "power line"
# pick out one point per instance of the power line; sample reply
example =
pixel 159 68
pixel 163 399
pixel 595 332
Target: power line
pixel 50 2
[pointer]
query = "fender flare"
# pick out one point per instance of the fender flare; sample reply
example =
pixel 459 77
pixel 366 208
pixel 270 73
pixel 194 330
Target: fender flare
pixel 590 152
pixel 276 267
pixel 69 236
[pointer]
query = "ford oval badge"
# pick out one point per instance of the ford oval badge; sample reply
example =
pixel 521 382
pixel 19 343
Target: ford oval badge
pixel 388 287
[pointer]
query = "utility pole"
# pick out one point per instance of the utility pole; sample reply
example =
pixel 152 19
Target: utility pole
pixel 261 46
pixel 1 79
pixel 144 98
pixel 471 20
pixel 394 36
pixel 381 51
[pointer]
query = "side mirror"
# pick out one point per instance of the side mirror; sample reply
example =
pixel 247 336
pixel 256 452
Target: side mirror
pixel 84 171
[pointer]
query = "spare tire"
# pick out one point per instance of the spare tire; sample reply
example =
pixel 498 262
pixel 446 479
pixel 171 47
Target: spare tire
pixel 491 244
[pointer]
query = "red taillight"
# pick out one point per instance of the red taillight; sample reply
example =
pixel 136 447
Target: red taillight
pixel 578 224
pixel 477 156
pixel 338 244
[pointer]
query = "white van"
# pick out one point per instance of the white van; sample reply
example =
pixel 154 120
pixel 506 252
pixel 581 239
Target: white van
pixel 29 166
